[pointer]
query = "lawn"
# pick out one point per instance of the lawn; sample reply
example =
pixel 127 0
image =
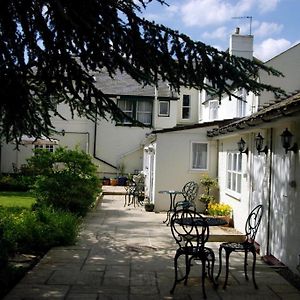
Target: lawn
pixel 13 199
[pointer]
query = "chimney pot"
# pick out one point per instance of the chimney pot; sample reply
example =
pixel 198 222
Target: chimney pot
pixel 237 30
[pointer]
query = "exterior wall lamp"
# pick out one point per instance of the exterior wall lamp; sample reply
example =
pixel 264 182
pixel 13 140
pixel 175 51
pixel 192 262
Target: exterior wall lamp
pixel 241 146
pixel 286 141
pixel 259 142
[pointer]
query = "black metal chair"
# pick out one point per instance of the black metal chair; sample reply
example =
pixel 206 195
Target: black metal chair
pixel 135 191
pixel 191 232
pixel 251 227
pixel 190 191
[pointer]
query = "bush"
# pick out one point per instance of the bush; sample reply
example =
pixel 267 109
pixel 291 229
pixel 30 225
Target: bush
pixel 36 231
pixel 67 180
pixel 16 182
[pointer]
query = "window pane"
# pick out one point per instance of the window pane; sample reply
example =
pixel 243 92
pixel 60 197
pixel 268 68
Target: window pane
pixel 239 183
pixel 185 113
pixel 239 168
pixel 233 182
pixel 163 108
pixel 186 100
pixel 229 163
pixel 199 156
pixel 234 168
pixel 144 112
pixel 229 180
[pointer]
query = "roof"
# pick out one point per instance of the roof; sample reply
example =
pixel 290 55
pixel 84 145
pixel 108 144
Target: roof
pixel 282 108
pixel 124 85
pixel 193 126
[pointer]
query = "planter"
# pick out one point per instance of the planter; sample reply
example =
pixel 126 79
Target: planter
pixel 105 181
pixel 228 219
pixel 113 181
pixel 149 206
pixel 122 180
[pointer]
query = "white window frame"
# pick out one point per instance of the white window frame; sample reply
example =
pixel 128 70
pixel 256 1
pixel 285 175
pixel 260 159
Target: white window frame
pixel 134 110
pixel 192 157
pixel 186 107
pixel 234 175
pixel 241 103
pixel 49 147
pixel 167 103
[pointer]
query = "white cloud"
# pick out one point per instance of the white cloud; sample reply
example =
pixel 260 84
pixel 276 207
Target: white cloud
pixel 207 12
pixel 220 33
pixel 267 29
pixel 270 48
pixel 269 5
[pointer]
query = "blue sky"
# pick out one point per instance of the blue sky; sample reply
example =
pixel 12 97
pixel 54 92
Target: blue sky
pixel 275 23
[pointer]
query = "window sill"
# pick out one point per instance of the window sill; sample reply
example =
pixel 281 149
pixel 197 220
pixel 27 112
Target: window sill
pixel 233 195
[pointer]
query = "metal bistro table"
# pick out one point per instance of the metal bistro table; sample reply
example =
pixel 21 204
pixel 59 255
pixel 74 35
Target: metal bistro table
pixel 173 195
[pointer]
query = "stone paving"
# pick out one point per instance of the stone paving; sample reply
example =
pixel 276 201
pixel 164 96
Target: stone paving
pixel 127 253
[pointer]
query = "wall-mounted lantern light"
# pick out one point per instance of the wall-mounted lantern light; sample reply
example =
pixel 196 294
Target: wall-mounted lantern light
pixel 286 141
pixel 242 146
pixel 259 143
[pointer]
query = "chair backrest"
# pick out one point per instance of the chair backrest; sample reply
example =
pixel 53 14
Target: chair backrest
pixel 253 222
pixel 190 191
pixel 189 229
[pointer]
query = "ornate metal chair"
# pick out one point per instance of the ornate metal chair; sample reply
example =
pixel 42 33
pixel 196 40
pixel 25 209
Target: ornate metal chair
pixel 191 232
pixel 190 191
pixel 135 191
pixel 251 227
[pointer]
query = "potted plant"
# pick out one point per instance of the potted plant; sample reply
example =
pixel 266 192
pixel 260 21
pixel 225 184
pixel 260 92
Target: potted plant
pixel 148 205
pixel 221 210
pixel 122 179
pixel 113 181
pixel 207 182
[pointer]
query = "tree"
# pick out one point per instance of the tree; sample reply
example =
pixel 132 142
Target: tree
pixel 49 51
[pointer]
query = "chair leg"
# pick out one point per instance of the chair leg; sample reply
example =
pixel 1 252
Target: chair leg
pixel 226 268
pixel 203 278
pixel 176 274
pixel 246 265
pixel 220 263
pixel 253 269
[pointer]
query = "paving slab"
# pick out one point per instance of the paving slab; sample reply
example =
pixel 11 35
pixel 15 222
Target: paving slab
pixel 126 253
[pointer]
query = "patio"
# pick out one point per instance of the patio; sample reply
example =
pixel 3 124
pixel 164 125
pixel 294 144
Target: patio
pixel 127 253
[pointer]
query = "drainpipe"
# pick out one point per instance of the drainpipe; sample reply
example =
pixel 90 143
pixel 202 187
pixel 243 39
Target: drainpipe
pixel 270 191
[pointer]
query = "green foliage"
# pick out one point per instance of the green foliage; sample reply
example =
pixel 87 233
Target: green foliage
pixel 16 182
pixel 67 180
pixel 219 209
pixel 75 48
pixel 36 231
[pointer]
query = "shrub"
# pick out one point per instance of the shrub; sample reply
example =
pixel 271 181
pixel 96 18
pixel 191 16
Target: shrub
pixel 37 231
pixel 16 182
pixel 67 180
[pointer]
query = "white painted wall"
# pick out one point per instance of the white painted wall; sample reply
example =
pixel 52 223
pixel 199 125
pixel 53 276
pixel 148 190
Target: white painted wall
pixel 288 63
pixel 172 162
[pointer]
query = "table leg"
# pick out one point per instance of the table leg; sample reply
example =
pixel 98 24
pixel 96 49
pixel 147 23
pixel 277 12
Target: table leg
pixel 167 220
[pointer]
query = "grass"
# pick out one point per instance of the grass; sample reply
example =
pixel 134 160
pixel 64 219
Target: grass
pixel 16 199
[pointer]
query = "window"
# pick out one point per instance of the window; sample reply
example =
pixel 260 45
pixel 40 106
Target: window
pixel 186 106
pixel 241 103
pixel 199 156
pixel 163 108
pixel 136 108
pixel 213 109
pixel 234 171
pixel 48 147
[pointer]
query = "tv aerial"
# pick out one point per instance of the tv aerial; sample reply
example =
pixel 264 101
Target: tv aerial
pixel 250 22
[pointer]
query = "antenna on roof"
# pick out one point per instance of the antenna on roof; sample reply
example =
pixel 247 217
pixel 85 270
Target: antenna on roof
pixel 246 17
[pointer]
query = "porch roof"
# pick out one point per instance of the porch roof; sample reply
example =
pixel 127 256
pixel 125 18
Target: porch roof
pixel 217 123
pixel 281 108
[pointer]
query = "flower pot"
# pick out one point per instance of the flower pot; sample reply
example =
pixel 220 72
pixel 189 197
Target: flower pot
pixel 149 206
pixel 122 180
pixel 228 219
pixel 105 181
pixel 113 181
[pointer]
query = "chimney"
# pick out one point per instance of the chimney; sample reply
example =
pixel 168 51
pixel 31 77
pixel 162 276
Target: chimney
pixel 241 45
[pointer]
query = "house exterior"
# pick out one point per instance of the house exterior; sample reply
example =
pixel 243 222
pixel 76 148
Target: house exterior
pixel 191 134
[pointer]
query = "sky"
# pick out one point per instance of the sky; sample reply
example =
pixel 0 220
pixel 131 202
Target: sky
pixel 275 24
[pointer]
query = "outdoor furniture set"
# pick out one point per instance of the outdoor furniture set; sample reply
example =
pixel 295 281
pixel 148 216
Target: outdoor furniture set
pixel 190 230
pixel 134 191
